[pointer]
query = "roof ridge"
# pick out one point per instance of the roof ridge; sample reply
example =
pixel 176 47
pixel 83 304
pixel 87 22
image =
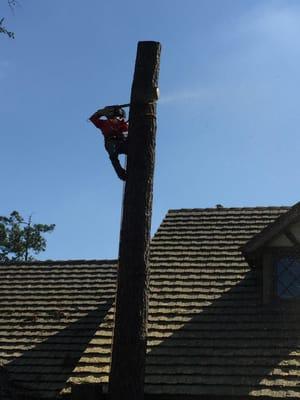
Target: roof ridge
pixel 59 262
pixel 230 208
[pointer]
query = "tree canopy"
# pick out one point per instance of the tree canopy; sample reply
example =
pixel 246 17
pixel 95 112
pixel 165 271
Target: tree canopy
pixel 20 238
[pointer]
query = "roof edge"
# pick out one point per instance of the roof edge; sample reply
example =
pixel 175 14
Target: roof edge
pixel 177 210
pixel 59 262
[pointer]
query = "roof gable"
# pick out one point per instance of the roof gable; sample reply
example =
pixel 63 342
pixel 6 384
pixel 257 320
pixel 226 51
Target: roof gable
pixel 284 231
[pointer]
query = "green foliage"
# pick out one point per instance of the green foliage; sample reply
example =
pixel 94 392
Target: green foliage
pixel 20 238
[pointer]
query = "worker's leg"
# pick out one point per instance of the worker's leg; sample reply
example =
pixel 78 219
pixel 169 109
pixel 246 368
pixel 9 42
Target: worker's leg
pixel 123 147
pixel 112 148
pixel 118 168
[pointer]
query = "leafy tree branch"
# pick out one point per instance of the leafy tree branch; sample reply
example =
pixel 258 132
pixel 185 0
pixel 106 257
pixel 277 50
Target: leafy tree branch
pixel 20 238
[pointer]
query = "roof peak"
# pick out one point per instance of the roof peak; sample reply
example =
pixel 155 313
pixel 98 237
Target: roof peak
pixel 271 230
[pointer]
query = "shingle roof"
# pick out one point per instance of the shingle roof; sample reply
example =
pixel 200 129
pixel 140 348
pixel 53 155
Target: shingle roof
pixel 208 333
pixel 49 312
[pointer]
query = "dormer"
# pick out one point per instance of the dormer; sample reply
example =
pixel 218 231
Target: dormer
pixel 275 253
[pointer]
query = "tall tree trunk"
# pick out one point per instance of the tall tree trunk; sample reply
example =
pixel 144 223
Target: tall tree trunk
pixel 130 332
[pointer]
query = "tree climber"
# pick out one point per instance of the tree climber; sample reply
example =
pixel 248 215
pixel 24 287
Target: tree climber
pixel 114 129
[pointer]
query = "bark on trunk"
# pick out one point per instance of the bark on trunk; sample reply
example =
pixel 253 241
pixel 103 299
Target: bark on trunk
pixel 130 332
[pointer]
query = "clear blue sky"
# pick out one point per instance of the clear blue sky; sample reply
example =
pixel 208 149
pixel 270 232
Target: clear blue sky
pixel 228 117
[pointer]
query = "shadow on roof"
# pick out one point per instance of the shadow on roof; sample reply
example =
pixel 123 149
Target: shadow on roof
pixel 54 359
pixel 232 347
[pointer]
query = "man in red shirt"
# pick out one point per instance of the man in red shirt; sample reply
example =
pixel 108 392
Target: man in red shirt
pixel 115 138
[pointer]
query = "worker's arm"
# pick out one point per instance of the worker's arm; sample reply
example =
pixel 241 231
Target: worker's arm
pixel 107 112
pixel 100 113
pixel 95 118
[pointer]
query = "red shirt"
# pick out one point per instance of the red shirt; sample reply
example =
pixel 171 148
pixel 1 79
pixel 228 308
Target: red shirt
pixel 110 127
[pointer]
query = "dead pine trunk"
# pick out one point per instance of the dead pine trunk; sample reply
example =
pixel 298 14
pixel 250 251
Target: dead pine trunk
pixel 130 332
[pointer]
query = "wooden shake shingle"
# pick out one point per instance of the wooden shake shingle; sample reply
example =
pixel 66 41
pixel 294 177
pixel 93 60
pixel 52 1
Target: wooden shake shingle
pixel 208 332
